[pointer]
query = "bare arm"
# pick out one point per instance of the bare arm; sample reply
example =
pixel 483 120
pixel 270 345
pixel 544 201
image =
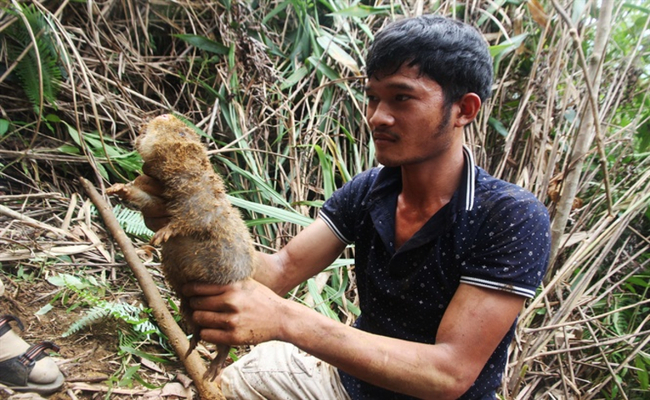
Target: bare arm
pixel 472 327
pixel 308 253
pixel 476 321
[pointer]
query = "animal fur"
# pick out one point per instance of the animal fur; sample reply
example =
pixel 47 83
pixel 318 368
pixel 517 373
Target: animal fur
pixel 206 239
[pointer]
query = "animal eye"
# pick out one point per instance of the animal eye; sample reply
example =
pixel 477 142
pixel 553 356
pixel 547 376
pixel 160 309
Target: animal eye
pixel 181 133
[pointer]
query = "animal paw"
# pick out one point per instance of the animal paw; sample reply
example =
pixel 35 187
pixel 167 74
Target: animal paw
pixel 162 235
pixel 119 189
pixel 217 363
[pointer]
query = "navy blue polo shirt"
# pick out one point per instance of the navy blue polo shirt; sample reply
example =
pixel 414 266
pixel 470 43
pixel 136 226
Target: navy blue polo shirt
pixel 491 234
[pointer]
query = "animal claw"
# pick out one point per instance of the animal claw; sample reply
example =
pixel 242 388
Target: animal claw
pixel 118 189
pixel 162 235
pixel 218 363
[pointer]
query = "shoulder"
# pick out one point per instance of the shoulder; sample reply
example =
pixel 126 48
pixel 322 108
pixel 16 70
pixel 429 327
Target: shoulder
pixel 494 195
pixel 348 205
pixel 359 186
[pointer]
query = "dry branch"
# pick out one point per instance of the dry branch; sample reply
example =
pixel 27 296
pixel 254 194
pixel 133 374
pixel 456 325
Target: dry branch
pixel 208 390
pixel 37 224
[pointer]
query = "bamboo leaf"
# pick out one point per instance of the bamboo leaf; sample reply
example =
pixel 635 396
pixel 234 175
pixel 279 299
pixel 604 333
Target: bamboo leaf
pixel 203 43
pixel 283 215
pixel 4 126
pixel 275 11
pixel 364 11
pixel 326 168
pixel 337 53
pixel 324 68
pixel 502 49
pixel 498 126
pixel 294 78
pixel 321 305
pixel 636 7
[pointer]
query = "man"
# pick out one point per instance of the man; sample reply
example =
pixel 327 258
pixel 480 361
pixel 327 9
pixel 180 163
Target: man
pixel 445 255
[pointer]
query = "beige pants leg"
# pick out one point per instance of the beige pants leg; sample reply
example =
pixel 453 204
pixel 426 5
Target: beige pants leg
pixel 281 371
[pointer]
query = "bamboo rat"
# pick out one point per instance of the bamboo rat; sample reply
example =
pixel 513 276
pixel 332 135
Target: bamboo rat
pixel 206 238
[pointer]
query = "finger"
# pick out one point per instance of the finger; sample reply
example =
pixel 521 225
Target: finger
pixel 216 336
pixel 209 303
pixel 213 320
pixel 193 289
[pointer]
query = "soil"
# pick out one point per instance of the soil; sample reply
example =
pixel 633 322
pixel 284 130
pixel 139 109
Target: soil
pixel 89 359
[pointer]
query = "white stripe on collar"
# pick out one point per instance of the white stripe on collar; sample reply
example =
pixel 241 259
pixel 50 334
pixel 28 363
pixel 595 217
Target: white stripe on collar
pixel 469 179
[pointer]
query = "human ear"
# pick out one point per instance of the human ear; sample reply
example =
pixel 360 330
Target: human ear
pixel 467 109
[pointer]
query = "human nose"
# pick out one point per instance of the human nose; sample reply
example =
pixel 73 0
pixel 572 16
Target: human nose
pixel 379 115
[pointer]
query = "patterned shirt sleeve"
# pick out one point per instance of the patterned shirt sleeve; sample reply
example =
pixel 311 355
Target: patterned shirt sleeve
pixel 342 211
pixel 511 249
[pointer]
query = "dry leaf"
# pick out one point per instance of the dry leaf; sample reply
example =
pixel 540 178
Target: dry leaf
pixel 537 13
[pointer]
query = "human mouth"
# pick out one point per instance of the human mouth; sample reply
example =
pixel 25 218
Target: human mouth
pixel 383 137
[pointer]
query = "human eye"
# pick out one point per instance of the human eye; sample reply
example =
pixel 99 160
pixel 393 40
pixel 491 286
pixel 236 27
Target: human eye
pixel 372 98
pixel 402 97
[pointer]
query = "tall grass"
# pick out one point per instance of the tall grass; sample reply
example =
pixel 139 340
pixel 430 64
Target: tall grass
pixel 275 89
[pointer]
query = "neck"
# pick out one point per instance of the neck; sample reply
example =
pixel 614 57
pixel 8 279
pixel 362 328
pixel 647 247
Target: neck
pixel 431 184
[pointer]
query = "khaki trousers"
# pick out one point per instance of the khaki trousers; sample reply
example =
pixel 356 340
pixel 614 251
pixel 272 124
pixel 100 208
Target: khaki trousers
pixel 281 371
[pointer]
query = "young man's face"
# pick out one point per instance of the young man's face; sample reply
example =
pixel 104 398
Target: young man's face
pixel 409 119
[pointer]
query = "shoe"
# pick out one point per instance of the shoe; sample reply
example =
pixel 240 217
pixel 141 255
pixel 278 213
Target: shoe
pixel 31 370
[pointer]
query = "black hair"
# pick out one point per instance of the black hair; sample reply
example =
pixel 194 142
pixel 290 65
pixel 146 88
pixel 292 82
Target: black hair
pixel 450 52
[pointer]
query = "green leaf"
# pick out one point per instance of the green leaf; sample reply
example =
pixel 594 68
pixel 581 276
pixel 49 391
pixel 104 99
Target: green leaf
pixel 636 7
pixel 275 11
pixel 74 135
pixel 295 77
pixel 142 354
pixel 500 50
pixel 326 168
pixel 67 280
pixel 283 215
pixel 68 149
pixel 324 68
pixel 643 133
pixel 129 375
pixel 204 43
pixel 642 372
pixel 262 221
pixel 319 303
pixel 52 118
pixel 337 53
pixel 363 11
pixel 4 126
pixel 44 310
pixel 498 126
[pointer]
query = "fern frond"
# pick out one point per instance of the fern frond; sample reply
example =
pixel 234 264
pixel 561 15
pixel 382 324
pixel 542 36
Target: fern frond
pixel 28 68
pixel 92 316
pixel 132 222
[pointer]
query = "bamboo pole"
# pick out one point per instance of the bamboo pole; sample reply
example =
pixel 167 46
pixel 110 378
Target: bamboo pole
pixel 585 134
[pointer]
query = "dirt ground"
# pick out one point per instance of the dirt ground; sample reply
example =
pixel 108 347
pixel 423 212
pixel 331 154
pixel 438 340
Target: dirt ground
pixel 88 358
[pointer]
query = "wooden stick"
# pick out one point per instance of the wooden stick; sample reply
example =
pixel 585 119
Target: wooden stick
pixel 207 389
pixel 37 224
